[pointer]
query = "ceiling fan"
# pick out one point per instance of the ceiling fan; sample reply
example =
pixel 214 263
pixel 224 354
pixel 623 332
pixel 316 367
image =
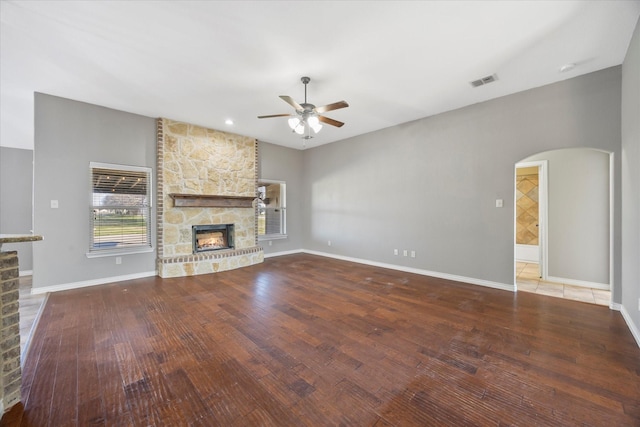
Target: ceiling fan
pixel 307 116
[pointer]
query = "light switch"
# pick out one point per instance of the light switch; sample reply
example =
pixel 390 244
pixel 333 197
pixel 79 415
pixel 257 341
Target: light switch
pixel 54 204
pixel 498 203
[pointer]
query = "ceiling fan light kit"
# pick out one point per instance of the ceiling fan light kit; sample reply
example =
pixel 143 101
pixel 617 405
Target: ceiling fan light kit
pixel 298 125
pixel 307 116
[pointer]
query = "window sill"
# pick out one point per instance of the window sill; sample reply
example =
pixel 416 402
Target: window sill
pixel 266 237
pixel 118 252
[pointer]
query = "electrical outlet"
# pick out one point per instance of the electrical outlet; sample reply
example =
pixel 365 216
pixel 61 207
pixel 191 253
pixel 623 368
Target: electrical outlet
pixel 118 260
pixel 270 243
pixel 329 243
pixel 54 204
pixel 499 203
pixel 395 252
pixel 413 254
pixel 405 252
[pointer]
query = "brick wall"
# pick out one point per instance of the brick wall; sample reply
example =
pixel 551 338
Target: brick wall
pixel 10 376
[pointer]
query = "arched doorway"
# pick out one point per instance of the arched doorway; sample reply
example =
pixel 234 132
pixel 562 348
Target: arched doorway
pixel 574 223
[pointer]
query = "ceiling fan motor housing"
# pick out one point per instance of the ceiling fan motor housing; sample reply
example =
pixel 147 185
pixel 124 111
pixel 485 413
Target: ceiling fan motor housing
pixel 307 108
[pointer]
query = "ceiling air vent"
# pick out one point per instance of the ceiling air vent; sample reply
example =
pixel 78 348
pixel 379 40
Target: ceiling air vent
pixel 484 80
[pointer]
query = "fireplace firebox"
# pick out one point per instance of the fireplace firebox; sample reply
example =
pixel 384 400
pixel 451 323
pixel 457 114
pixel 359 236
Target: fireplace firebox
pixel 212 237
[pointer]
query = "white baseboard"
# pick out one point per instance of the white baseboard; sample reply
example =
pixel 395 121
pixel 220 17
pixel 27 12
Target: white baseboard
pixel 471 280
pixel 26 273
pixel 583 283
pixel 528 253
pixel 85 283
pixel 274 254
pixel 635 331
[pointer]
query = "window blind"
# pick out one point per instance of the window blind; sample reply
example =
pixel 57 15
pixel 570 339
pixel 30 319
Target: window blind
pixel 120 208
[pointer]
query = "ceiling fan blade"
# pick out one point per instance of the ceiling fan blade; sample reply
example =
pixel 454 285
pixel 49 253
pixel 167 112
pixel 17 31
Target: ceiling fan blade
pixel 329 121
pixel 331 107
pixel 289 100
pixel 274 115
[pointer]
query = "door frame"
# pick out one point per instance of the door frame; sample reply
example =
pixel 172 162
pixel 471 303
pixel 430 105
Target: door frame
pixel 544 233
pixel 543 236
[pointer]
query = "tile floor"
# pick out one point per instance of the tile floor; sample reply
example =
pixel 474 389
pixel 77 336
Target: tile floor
pixel 528 280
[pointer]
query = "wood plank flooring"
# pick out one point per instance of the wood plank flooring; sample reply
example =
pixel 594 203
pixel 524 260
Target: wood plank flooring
pixel 302 340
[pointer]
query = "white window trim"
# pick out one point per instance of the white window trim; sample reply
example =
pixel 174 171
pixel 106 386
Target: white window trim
pixel 119 252
pixel 130 250
pixel 283 206
pixel 265 237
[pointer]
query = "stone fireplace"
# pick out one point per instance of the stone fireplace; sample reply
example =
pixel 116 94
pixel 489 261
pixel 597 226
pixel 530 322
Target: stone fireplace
pixel 206 178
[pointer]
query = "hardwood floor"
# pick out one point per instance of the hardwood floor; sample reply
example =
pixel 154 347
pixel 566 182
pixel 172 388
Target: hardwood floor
pixel 303 340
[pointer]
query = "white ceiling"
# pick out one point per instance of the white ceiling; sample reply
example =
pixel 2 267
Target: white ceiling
pixel 205 61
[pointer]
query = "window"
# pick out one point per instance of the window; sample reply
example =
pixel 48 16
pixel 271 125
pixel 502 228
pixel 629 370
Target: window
pixel 120 210
pixel 272 208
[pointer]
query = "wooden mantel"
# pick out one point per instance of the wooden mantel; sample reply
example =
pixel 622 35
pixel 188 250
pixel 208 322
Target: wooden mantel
pixel 210 201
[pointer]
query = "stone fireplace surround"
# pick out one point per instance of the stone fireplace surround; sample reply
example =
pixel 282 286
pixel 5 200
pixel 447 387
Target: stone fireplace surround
pixel 204 176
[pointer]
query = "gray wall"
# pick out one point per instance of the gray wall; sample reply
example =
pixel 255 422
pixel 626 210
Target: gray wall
pixel 631 181
pixel 431 185
pixel 578 214
pixel 69 135
pixel 284 164
pixel 16 189
pixel 428 185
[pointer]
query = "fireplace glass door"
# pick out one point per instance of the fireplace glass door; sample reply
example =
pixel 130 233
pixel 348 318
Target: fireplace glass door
pixel 212 237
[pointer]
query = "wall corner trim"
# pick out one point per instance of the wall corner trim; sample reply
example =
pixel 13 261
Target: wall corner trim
pixel 635 331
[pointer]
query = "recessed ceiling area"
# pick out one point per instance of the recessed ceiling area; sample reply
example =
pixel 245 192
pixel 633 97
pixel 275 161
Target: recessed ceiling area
pixel 209 62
